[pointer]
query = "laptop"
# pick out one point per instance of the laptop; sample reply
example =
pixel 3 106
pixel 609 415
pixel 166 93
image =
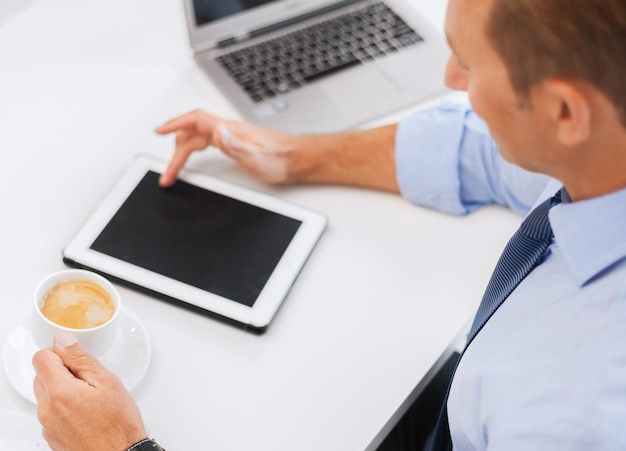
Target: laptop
pixel 316 65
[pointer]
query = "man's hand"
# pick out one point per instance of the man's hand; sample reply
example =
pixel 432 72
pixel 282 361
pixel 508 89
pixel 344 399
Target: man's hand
pixel 81 405
pixel 361 158
pixel 261 153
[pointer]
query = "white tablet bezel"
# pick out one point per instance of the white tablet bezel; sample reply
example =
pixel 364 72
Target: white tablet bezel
pixel 257 317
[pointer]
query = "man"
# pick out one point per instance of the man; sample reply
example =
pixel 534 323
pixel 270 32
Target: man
pixel 548 370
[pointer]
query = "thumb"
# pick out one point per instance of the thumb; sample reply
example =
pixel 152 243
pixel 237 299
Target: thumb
pixel 77 359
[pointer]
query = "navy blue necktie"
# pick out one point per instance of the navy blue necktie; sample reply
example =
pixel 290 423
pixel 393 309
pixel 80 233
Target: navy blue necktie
pixel 520 256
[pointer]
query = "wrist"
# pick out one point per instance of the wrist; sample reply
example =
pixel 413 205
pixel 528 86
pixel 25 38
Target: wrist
pixel 311 157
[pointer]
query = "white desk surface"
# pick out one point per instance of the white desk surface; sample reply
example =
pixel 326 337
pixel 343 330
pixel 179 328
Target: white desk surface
pixel 82 86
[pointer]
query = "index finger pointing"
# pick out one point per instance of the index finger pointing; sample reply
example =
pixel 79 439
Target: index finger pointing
pixel 187 120
pixel 184 121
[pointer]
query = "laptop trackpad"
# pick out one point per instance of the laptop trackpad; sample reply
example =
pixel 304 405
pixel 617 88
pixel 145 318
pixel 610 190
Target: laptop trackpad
pixel 359 90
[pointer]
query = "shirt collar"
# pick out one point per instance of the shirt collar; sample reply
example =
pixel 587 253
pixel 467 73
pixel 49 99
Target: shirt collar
pixel 591 234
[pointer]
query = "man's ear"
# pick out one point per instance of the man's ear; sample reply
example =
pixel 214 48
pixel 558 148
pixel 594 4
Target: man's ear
pixel 569 109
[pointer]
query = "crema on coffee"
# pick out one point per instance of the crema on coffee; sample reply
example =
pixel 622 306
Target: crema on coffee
pixel 78 304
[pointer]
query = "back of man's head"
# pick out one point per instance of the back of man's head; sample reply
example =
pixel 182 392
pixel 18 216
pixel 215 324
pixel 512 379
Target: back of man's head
pixel 577 40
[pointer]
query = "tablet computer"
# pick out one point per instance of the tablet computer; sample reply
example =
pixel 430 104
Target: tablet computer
pixel 204 243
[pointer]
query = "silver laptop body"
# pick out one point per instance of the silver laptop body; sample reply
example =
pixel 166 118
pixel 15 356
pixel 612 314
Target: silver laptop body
pixel 278 63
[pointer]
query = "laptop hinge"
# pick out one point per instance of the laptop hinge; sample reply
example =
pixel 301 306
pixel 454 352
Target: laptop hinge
pixel 277 26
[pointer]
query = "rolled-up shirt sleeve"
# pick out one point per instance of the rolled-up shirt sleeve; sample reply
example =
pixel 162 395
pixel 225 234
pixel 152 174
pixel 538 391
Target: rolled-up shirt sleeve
pixel 447 160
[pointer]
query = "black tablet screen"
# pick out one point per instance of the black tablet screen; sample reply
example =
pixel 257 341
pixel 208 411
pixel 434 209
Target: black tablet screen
pixel 199 237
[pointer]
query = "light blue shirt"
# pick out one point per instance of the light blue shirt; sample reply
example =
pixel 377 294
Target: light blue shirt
pixel 548 371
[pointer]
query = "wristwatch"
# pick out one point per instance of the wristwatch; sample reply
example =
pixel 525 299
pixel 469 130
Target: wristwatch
pixel 147 444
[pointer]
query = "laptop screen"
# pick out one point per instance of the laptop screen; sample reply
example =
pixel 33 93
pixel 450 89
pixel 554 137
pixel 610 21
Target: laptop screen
pixel 211 10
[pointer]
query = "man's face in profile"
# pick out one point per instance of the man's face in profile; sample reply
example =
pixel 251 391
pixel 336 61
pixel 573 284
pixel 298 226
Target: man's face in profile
pixel 474 66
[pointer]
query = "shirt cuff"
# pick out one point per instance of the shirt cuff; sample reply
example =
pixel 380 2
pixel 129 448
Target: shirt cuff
pixel 427 157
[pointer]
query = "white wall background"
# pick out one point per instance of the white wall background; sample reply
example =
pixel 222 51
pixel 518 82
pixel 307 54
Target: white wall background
pixel 9 8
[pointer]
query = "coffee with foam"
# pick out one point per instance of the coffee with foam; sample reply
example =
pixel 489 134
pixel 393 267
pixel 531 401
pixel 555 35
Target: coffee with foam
pixel 78 304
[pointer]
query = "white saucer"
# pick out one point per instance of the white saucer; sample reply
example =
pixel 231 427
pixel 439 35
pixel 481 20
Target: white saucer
pixel 129 357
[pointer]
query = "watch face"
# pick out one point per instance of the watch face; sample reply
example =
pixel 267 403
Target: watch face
pixel 147 444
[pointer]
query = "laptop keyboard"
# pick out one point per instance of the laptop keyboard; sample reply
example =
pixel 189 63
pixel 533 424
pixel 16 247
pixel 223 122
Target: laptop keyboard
pixel 288 62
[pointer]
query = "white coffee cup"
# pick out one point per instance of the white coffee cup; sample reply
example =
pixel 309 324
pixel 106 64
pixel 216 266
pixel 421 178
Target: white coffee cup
pixel 79 302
